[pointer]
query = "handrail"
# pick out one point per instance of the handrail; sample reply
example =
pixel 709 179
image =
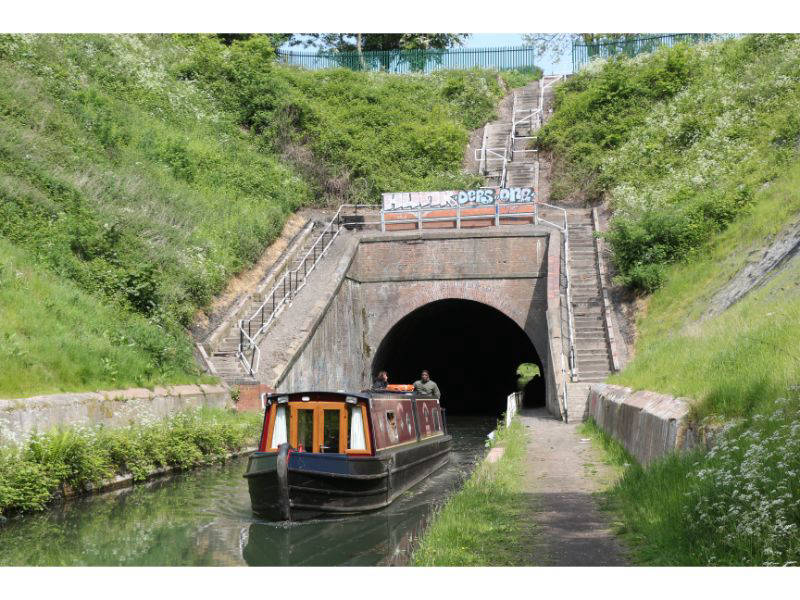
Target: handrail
pixel 283 291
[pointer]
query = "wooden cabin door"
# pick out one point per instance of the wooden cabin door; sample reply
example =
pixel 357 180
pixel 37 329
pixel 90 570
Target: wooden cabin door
pixel 319 427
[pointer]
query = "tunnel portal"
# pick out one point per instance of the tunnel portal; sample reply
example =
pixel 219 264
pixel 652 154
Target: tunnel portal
pixel 471 350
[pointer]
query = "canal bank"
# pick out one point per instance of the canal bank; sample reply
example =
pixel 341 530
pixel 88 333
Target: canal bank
pixel 67 462
pixel 203 517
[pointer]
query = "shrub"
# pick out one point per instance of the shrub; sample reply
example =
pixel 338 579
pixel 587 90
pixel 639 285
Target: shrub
pixel 677 141
pixel 29 476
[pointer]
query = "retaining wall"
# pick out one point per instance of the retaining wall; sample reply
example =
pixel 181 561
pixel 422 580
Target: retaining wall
pixel 648 424
pixel 20 418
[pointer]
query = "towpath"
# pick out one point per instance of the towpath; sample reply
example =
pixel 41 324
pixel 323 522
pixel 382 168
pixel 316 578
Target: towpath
pixel 563 471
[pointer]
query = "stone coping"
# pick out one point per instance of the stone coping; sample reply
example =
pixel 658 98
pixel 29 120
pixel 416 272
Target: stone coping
pixel 175 391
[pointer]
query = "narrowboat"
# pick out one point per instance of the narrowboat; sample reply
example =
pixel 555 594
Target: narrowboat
pixel 336 453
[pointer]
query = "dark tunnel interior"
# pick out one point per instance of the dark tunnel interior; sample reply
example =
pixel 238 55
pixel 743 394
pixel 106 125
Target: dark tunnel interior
pixel 471 350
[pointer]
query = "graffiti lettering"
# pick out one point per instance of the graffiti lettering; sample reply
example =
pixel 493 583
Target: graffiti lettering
pixel 480 196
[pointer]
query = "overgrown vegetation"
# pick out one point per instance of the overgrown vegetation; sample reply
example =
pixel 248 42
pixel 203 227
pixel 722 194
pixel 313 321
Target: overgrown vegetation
pixel 744 358
pixel 367 133
pixel 678 141
pixel 53 334
pixel 31 474
pixel 737 505
pixel 147 170
pixel 696 149
pixel 486 523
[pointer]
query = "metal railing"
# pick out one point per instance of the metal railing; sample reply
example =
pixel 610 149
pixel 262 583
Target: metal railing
pixel 520 58
pixel 583 53
pixel 288 286
pixel 460 217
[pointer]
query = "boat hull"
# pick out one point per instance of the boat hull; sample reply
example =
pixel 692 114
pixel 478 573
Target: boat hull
pixel 296 486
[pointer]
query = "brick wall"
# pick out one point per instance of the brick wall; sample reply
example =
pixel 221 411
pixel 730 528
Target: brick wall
pixel 250 397
pixel 394 274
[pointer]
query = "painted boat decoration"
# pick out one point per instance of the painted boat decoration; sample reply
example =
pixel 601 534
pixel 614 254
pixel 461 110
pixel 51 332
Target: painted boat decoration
pixel 335 453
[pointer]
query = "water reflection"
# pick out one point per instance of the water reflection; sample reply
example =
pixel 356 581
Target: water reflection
pixel 203 518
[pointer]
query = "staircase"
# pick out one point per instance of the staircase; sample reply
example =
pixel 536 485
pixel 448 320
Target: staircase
pixel 592 349
pixel 593 341
pixel 496 138
pixel 224 356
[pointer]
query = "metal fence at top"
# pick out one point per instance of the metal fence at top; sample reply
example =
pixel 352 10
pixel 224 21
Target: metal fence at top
pixel 519 58
pixel 582 53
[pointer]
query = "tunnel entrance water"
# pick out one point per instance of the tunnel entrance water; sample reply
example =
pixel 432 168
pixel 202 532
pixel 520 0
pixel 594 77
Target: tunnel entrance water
pixel 471 350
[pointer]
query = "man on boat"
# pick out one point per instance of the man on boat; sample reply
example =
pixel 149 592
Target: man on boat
pixel 381 381
pixel 426 386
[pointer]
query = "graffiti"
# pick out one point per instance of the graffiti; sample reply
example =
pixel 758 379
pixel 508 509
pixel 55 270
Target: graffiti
pixel 454 198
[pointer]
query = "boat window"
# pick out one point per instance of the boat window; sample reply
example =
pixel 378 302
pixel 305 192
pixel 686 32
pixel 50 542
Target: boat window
pixel 392 425
pixel 280 433
pixel 330 431
pixel 305 430
pixel 436 425
pixel 356 438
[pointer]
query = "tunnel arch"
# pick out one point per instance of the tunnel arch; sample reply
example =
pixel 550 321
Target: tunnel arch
pixel 471 349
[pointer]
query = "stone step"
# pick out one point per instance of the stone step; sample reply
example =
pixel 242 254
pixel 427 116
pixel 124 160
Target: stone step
pixel 585 303
pixel 584 290
pixel 586 334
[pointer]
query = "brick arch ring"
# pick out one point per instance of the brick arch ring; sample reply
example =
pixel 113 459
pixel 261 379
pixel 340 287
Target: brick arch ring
pixel 476 291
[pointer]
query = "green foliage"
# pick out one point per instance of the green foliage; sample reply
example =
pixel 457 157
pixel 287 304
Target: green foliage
pixel 377 131
pixel 745 357
pixel 30 475
pixel 735 505
pixel 486 522
pixel 87 344
pixel 678 141
pixel 146 170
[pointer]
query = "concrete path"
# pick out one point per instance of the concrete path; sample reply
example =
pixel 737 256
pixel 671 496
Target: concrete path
pixel 562 474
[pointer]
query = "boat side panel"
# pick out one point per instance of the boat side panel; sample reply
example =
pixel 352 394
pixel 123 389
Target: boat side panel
pixel 402 409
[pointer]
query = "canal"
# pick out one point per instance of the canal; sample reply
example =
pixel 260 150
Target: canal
pixel 203 518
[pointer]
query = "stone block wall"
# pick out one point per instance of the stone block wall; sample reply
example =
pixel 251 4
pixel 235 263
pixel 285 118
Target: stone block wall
pixel 20 418
pixel 649 425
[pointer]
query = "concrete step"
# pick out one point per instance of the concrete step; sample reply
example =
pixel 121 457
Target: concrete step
pixel 584 336
pixel 593 323
pixel 594 365
pixel 591 346
pixel 586 311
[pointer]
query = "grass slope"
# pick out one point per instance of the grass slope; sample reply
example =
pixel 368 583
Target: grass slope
pixel 54 334
pixel 679 142
pixel 146 170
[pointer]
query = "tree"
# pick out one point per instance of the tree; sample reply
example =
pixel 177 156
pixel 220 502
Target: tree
pixel 276 39
pixel 358 42
pixel 558 44
pixel 345 43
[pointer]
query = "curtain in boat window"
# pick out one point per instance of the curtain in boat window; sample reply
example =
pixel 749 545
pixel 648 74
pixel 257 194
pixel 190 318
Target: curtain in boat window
pixel 279 433
pixel 357 441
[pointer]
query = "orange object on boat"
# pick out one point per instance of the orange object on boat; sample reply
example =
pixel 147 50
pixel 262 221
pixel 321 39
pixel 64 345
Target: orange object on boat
pixel 399 387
